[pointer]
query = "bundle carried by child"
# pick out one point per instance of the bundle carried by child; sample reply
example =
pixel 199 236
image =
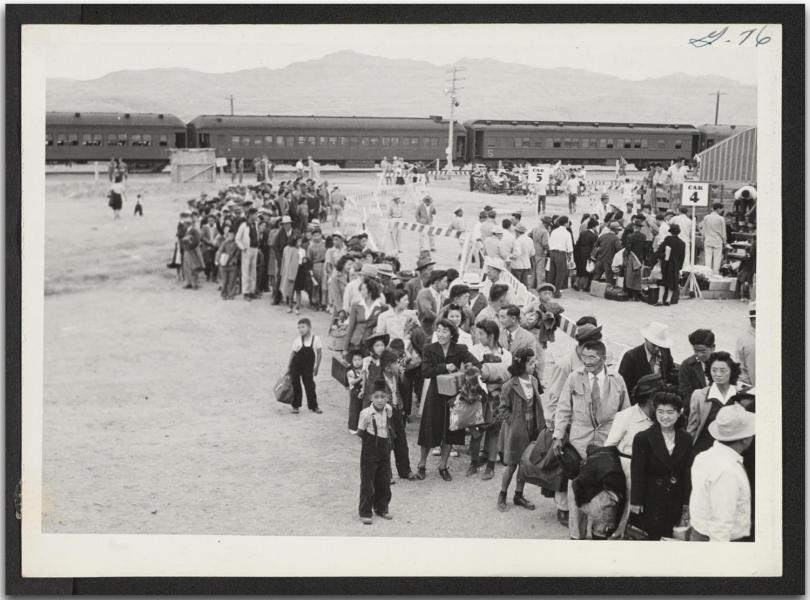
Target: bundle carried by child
pixel 467 409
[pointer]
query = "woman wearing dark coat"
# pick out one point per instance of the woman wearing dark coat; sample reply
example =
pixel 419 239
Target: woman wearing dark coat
pixel 582 252
pixel 659 470
pixel 440 358
pixel 671 263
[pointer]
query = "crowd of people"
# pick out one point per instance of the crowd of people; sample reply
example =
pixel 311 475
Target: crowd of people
pixel 647 447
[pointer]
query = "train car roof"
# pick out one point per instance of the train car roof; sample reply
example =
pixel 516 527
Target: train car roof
pixel 726 130
pixel 113 119
pixel 501 125
pixel 326 122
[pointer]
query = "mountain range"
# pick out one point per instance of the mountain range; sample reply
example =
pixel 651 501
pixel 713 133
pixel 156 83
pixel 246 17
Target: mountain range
pixel 348 83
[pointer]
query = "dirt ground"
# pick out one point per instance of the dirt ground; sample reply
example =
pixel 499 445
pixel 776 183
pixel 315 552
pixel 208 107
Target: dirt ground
pixel 159 414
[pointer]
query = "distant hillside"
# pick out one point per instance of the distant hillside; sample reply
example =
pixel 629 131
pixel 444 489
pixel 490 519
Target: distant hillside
pixel 348 83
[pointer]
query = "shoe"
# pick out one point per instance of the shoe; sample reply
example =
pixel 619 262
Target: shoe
pixel 502 502
pixel 562 517
pixel 472 469
pixel 445 474
pixel 411 476
pixel 386 515
pixel 489 472
pixel 295 411
pixel 366 520
pixel 317 411
pixel 420 473
pixel 519 500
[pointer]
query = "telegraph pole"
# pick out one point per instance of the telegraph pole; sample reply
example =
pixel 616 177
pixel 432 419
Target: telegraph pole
pixel 717 94
pixel 231 99
pixel 452 91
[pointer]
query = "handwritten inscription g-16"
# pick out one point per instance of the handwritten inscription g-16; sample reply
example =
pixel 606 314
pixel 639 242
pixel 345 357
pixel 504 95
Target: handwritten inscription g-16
pixel 747 37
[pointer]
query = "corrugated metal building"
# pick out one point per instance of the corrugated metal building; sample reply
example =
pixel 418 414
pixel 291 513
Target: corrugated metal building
pixel 732 161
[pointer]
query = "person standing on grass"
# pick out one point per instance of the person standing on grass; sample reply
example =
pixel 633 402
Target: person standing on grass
pixel 305 361
pixel 247 238
pixel 521 419
pixel 117 196
pixel 374 428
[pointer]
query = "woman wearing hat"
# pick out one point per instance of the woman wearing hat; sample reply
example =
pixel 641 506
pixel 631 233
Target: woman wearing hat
pixel 363 314
pixel 442 357
pixel 659 497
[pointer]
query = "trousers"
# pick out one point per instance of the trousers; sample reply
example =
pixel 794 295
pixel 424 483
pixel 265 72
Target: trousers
pixel 400 444
pixel 249 259
pixel 228 281
pixel 714 257
pixel 375 475
pixel 539 266
pixel 559 269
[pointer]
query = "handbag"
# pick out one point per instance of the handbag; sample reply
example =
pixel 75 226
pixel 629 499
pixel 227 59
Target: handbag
pixel 283 390
pixel 590 266
pixel 571 262
pixel 465 414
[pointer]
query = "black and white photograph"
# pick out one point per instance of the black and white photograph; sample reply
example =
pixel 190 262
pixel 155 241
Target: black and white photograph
pixel 414 300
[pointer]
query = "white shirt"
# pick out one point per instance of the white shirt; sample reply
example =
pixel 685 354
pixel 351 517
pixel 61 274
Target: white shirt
pixel 626 424
pixel 524 250
pixel 720 505
pixel 676 173
pixel 685 223
pixel 310 340
pixel 560 240
pixel 393 323
pixel 507 244
pixel 572 186
pixel 476 231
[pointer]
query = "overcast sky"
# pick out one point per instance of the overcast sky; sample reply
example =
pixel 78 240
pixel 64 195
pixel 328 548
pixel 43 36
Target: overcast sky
pixel 628 51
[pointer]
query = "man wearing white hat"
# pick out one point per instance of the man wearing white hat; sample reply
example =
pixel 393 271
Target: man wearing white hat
pixel 747 347
pixel 477 300
pixel 493 266
pixel 653 356
pixel 720 504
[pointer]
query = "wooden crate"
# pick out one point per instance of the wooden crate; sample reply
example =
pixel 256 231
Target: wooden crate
pixel 193 165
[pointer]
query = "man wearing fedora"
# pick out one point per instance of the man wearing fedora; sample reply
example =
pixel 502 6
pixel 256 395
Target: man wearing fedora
pixel 424 216
pixel 424 266
pixel 477 301
pixel 720 504
pixel 653 356
pixel 429 299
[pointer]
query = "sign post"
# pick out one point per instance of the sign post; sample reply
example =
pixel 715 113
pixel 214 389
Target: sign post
pixel 694 194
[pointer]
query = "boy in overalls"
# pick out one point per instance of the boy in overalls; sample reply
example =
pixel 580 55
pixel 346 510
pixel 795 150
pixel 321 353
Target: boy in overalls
pixel 375 456
pixel 304 362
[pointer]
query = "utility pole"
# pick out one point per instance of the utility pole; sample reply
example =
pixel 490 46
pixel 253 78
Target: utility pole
pixel 231 99
pixel 452 91
pixel 717 94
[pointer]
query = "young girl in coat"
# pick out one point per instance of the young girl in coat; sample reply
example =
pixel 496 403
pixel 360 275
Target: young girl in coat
pixel 521 416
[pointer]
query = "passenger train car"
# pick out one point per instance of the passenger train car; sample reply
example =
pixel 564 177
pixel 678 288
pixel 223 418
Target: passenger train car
pixel 345 141
pixel 579 142
pixel 142 140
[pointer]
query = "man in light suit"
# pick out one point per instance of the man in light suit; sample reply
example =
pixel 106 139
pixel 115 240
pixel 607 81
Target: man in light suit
pixel 714 237
pixel 247 239
pixel 589 401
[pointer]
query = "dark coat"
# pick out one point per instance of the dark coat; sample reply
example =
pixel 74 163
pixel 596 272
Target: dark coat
pixel 671 269
pixel 582 251
pixel 691 377
pixel 606 247
pixel 635 365
pixel 602 471
pixel 517 433
pixel 434 426
pixel 637 244
pixel 652 471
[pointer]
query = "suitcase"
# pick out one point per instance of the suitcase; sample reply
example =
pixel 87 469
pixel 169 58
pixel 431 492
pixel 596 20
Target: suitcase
pixel 650 294
pixel 449 385
pixel 614 292
pixel 339 369
pixel 598 288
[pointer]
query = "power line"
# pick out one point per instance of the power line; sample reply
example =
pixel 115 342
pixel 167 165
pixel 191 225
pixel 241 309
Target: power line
pixel 717 94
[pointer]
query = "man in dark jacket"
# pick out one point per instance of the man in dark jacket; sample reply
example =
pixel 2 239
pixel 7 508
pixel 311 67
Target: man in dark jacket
pixel 606 247
pixel 653 356
pixel 692 372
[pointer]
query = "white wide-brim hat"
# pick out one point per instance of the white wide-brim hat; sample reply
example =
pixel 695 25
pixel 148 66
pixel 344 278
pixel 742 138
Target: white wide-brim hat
pixel 658 334
pixel 733 423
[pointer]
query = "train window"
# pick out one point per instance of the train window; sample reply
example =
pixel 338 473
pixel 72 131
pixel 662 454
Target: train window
pixel 268 140
pixel 98 139
pixel 163 140
pixel 61 139
pixel 235 141
pixel 662 144
pixel 279 140
pixel 147 139
pixel 609 143
pixel 374 141
pixel 311 140
pixel 322 141
pixel 257 140
pixel 48 139
pixel 87 139
pixel 343 140
pixel 636 143
pixel 538 142
pixel 290 140
pixel 567 143
pixel 585 142
pixel 395 141
pixel 386 141
pixel 353 141
pixel 518 142
pixel 246 141
pixel 333 141
pixel 557 142
pixel 112 139
pixel 602 143
pixel 414 141
pixel 302 140
pixel 434 141
pixel 678 144
pixel 643 142
pixel 135 139
pixel 628 143
pixel 364 141
pixel 73 139
pixel 593 142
